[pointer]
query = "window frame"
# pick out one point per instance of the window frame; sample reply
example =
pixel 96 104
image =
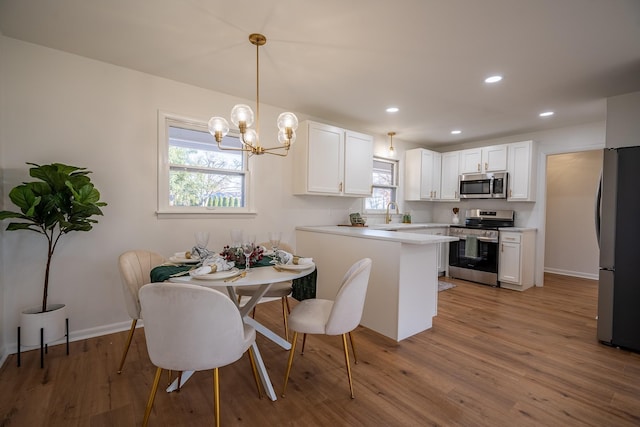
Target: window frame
pixel 164 209
pixel 394 186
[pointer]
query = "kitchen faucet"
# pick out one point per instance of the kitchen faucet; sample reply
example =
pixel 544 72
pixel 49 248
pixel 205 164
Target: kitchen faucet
pixel 387 218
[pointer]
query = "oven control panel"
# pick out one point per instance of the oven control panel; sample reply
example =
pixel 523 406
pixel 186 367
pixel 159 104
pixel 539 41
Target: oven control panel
pixel 462 232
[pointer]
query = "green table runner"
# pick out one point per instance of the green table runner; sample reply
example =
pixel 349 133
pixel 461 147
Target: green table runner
pixel 303 287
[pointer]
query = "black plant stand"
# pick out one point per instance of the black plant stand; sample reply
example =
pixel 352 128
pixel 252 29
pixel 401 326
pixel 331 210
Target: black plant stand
pixel 44 348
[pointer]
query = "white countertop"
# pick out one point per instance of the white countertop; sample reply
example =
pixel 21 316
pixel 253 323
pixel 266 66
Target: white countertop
pixel 377 234
pixel 404 226
pixel 517 229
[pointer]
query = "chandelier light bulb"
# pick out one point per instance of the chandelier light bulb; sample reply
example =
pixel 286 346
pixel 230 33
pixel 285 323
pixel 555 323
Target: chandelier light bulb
pixel 284 139
pixel 251 137
pixel 218 127
pixel 287 120
pixel 242 113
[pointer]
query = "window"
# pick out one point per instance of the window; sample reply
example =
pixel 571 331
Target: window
pixel 194 175
pixel 385 184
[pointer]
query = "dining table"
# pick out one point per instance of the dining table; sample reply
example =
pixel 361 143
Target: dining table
pixel 262 278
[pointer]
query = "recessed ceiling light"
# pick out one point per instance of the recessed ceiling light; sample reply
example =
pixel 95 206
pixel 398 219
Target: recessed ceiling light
pixel 546 114
pixel 456 132
pixel 393 110
pixel 493 79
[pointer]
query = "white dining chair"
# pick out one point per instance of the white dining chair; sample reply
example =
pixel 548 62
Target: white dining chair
pixel 280 290
pixel 337 317
pixel 135 269
pixel 193 328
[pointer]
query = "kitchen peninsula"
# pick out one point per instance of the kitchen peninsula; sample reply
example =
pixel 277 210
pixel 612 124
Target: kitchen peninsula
pixel 402 297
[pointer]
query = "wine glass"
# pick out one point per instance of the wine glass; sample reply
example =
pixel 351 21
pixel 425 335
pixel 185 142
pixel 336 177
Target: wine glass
pixel 236 238
pixel 247 249
pixel 202 240
pixel 274 240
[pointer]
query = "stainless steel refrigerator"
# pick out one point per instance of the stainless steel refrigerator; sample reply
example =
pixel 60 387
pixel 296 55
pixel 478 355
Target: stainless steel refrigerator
pixel 618 226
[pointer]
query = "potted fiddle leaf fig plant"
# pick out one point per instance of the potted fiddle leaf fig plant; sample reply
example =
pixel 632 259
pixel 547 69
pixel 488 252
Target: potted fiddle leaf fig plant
pixel 60 201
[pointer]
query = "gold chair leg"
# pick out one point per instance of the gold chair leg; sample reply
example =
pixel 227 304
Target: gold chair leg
pixel 252 360
pixel 126 348
pixel 346 360
pixel 284 316
pixel 304 341
pixel 286 299
pixel 290 362
pixel 154 389
pixel 216 395
pixel 353 348
pixel 179 381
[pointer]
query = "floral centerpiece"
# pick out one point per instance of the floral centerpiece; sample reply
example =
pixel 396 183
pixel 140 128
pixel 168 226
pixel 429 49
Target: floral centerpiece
pixel 236 255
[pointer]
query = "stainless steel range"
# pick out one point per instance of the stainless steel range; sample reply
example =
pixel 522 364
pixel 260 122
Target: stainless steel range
pixel 475 256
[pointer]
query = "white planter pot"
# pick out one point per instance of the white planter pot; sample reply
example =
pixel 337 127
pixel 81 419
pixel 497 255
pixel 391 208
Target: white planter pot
pixel 52 321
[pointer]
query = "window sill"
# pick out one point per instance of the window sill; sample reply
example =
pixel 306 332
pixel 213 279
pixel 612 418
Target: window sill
pixel 204 213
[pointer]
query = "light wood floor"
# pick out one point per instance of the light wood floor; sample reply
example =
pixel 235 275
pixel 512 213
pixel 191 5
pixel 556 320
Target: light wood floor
pixel 493 358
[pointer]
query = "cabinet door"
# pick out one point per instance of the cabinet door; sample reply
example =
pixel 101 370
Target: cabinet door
pixel 325 159
pixel 471 160
pixel 494 158
pixel 426 175
pixel 509 268
pixel 449 181
pixel 436 175
pixel 358 164
pixel 521 167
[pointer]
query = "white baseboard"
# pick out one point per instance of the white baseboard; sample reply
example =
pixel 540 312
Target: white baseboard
pixel 11 347
pixel 571 273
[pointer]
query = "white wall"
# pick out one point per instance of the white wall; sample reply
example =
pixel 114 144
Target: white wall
pixel 623 124
pixel 571 245
pixel 58 107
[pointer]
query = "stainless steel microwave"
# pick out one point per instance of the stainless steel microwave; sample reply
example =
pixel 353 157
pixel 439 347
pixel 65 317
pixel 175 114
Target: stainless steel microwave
pixel 491 185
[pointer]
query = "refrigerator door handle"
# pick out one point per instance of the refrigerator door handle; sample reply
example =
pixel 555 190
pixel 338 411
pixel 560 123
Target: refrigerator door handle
pixel 598 209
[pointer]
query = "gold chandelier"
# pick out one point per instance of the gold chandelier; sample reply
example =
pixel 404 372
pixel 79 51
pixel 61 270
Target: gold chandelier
pixel 242 117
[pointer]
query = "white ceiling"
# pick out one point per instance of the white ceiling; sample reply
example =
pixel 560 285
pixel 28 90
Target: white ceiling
pixel 345 61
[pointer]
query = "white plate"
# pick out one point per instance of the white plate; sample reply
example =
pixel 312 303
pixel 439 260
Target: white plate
pixel 184 260
pixel 295 267
pixel 218 275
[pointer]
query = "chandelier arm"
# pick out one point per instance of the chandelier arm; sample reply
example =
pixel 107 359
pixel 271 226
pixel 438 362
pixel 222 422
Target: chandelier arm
pixel 221 147
pixel 284 147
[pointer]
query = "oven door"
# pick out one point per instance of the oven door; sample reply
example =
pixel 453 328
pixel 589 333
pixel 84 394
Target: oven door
pixel 482 268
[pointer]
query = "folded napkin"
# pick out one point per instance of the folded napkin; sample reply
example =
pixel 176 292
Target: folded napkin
pixel 212 265
pixel 287 258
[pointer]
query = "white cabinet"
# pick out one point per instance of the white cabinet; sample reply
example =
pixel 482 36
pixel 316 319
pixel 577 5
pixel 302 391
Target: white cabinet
pixel 516 259
pixel 358 164
pixel 522 172
pixel 484 159
pixel 422 174
pixel 449 181
pixel 332 161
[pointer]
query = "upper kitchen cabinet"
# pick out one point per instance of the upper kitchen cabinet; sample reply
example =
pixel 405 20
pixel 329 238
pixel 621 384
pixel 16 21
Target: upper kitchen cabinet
pixel 522 172
pixel 331 161
pixel 484 159
pixel 449 176
pixel 422 174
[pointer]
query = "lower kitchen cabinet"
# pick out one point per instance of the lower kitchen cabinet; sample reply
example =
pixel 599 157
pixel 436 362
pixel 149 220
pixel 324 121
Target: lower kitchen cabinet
pixel 516 259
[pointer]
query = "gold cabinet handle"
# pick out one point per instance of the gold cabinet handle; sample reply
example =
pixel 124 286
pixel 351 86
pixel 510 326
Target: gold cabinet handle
pixel 340 187
pixel 486 166
pixel 479 167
